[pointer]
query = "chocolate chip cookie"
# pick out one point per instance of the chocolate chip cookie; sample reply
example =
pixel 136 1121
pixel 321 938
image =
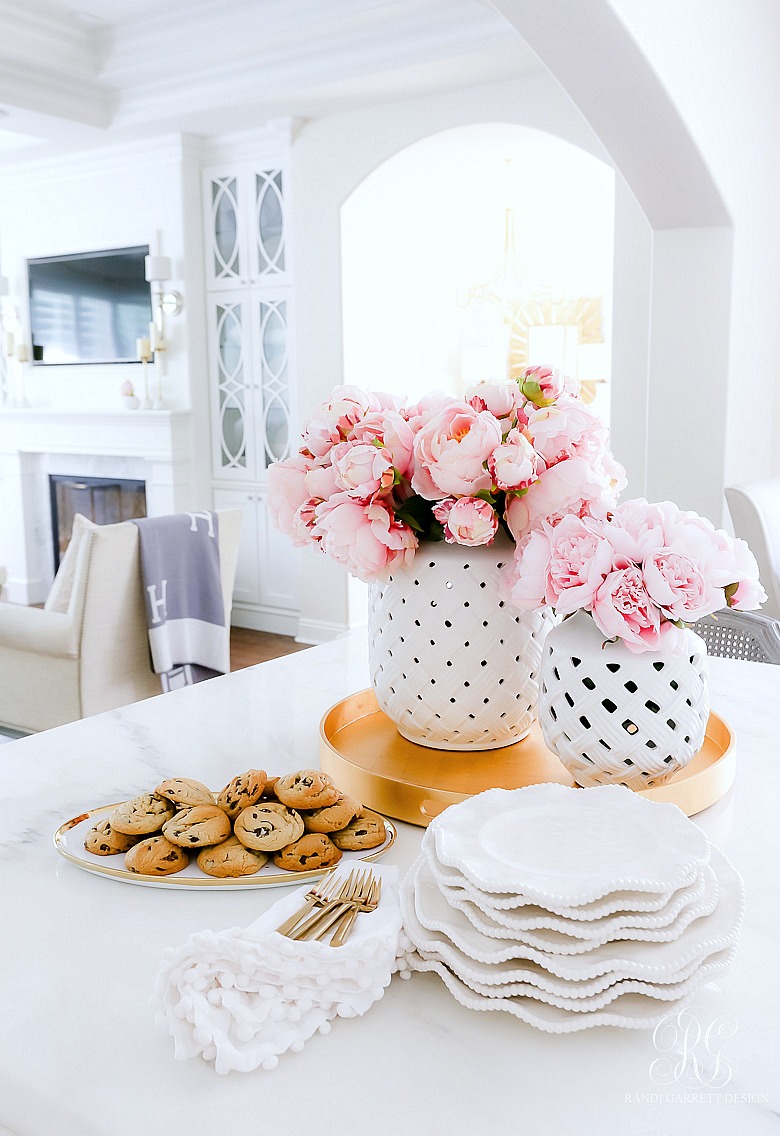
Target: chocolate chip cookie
pixel 306 789
pixel 314 850
pixel 198 827
pixel 142 815
pixel 156 856
pixel 244 790
pixel 104 840
pixel 366 831
pixel 268 826
pixel 185 791
pixel 332 817
pixel 230 858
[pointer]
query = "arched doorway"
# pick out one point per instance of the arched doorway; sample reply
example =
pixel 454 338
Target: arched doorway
pixel 494 252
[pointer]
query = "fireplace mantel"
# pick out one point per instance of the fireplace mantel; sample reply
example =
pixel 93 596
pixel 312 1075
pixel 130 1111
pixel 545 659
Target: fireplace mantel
pixel 35 441
pixel 156 435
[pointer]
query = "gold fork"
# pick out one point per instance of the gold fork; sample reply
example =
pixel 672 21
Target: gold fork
pixel 353 892
pixel 348 919
pixel 320 894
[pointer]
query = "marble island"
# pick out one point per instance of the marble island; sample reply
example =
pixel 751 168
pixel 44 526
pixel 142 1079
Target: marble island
pixel 79 1051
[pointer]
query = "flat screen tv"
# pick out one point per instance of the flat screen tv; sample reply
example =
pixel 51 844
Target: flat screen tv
pixel 89 307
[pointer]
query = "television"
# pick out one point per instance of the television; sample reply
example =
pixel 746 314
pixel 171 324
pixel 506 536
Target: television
pixel 89 307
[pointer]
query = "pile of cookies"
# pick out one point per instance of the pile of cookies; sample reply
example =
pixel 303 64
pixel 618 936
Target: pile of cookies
pixel 302 820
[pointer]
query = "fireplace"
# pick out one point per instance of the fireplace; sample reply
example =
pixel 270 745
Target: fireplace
pixel 104 500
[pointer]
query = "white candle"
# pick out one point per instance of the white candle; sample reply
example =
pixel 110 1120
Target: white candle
pixel 21 353
pixel 143 349
pixel 9 343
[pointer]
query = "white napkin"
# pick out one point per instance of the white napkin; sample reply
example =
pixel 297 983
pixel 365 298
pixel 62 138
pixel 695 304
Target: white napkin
pixel 242 997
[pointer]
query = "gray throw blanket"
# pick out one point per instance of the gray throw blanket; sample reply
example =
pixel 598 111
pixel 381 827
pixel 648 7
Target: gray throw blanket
pixel 183 593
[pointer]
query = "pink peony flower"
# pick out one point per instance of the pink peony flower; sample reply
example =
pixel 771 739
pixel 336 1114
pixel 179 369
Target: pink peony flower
pixel 362 469
pixel 335 418
pixel 638 529
pixel 467 520
pixel 570 487
pixel 366 538
pixel 422 412
pixel 389 428
pixel 524 584
pixel 566 429
pixel 622 608
pixel 287 491
pixel 679 587
pixel 515 464
pixel 500 398
pixel 450 452
pixel 552 383
pixel 580 559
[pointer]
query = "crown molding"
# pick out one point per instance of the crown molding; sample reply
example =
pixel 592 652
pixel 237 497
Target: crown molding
pixel 46 92
pixel 165 149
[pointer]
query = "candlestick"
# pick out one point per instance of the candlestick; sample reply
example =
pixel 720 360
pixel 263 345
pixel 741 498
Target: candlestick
pixel 147 402
pixel 21 353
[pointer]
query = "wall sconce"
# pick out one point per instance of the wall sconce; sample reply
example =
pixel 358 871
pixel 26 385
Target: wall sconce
pixel 158 271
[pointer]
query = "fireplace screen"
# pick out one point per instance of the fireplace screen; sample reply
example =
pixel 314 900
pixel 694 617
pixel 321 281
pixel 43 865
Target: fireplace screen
pixel 104 500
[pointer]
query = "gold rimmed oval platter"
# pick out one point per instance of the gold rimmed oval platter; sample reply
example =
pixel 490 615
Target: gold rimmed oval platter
pixel 69 842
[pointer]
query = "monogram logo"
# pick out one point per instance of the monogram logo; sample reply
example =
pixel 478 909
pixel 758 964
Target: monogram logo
pixel 207 517
pixel 694 1049
pixel 157 605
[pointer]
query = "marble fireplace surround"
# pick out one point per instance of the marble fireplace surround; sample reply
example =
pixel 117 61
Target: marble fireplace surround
pixel 150 446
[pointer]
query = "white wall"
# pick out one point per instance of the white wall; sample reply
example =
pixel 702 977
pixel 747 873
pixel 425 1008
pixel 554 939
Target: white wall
pixel 114 197
pixel 720 64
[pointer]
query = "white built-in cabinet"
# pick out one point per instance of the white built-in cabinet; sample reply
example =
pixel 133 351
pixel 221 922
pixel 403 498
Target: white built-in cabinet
pixel 249 296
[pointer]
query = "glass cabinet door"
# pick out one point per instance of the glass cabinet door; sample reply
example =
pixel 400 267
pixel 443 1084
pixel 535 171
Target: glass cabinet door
pixel 272 358
pixel 234 451
pixel 225 253
pixel 269 228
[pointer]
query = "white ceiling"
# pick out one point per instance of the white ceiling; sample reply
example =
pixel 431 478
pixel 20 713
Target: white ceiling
pixel 72 75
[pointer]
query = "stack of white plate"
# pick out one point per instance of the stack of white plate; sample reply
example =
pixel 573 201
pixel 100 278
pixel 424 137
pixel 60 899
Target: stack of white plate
pixel 571 908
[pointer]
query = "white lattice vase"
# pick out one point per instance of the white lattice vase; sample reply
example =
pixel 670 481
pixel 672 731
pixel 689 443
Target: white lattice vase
pixel 451 664
pixel 614 717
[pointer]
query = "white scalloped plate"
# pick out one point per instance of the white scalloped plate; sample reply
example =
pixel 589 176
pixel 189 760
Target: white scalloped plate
pixel 618 903
pixel 559 942
pixel 650 961
pixel 627 1011
pixel 517 975
pixel 565 846
pixel 531 917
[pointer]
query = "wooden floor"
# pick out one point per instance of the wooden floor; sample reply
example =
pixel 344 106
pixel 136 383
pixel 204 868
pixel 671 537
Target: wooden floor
pixel 250 647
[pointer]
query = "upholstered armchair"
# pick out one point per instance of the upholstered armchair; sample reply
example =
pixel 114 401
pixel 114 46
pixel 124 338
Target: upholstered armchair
pixel 87 649
pixel 755 513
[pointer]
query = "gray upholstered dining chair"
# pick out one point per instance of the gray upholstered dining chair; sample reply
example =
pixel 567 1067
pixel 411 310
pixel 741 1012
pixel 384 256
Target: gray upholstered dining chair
pixel 741 635
pixel 755 514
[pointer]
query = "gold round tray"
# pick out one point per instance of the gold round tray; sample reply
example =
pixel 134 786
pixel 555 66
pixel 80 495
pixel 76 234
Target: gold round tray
pixel 367 757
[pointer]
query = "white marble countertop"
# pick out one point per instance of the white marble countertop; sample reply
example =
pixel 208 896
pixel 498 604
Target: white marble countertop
pixel 80 1054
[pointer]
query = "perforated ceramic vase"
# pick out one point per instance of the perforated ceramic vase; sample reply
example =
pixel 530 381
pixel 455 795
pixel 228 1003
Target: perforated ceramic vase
pixel 451 664
pixel 614 717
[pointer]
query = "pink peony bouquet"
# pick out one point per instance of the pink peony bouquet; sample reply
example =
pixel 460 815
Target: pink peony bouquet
pixel 642 572
pixel 376 476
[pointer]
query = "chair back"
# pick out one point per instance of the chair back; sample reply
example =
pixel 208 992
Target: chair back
pixel 755 514
pixel 741 635
pixel 106 597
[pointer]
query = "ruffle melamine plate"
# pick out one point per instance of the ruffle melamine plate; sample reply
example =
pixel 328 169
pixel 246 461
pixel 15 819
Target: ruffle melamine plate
pixel 567 847
pixel 532 917
pixel 435 926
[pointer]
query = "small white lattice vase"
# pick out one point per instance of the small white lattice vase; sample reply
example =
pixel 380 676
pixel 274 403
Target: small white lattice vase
pixel 452 665
pixel 614 717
